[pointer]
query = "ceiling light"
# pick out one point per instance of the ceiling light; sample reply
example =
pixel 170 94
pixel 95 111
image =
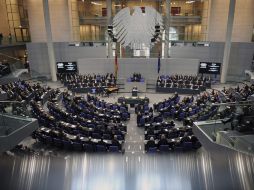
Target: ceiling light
pixel 188 2
pixel 94 3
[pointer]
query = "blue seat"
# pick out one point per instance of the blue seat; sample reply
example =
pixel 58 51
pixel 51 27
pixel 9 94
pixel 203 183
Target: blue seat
pixel 77 146
pixel 106 137
pixel 152 150
pixel 114 107
pixel 57 142
pixel 67 144
pixel 122 109
pixel 146 108
pixel 158 119
pixel 120 137
pixel 164 148
pixel 197 145
pixel 116 132
pixel 101 148
pixel 181 116
pixel 96 135
pixel 141 122
pixel 113 149
pixel 166 114
pixel 48 139
pixel 42 138
pixel 88 116
pixel 177 100
pixel 88 148
pixel 178 148
pixel 93 91
pixel 76 132
pixel 167 104
pixel 91 125
pixel 125 116
pixel 97 104
pixel 187 146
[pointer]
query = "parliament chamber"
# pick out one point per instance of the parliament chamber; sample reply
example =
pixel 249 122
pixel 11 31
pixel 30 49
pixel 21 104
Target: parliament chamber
pixel 142 95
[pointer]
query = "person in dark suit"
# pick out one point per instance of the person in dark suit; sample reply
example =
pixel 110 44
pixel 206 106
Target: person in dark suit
pixel 101 142
pixel 115 142
pixel 138 117
pixel 150 143
pixel 163 140
pixel 185 138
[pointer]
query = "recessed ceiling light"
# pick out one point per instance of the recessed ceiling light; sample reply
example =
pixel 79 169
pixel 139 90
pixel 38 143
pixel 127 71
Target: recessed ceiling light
pixel 94 3
pixel 188 2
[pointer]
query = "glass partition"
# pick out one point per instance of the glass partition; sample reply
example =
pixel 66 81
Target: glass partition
pixel 92 9
pixel 15 108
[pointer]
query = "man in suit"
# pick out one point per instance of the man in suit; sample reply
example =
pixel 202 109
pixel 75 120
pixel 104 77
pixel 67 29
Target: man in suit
pixel 115 142
pixel 163 140
pixel 150 143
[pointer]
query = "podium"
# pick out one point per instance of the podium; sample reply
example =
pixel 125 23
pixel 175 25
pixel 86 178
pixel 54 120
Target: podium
pixel 134 92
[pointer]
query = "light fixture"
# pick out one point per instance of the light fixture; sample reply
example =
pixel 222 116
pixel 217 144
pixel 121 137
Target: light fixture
pixel 94 3
pixel 188 2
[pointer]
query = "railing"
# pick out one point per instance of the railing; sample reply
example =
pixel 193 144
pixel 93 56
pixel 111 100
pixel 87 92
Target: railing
pixel 13 129
pixel 213 136
pixel 6 41
pixel 14 108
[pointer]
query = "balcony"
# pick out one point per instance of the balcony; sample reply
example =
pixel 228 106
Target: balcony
pixel 175 20
pixel 184 20
pixel 6 42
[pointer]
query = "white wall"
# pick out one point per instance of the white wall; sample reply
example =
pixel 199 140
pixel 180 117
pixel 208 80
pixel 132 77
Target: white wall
pixel 39 61
pixel 59 18
pixel 147 67
pixel 243 20
pixel 93 59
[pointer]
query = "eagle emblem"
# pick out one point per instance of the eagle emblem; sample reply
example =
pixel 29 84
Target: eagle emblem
pixel 136 27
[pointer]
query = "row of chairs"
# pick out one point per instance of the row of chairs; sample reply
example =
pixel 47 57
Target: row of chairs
pixel 186 146
pixel 76 146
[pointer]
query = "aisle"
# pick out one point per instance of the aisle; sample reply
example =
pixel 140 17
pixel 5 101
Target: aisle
pixel 134 139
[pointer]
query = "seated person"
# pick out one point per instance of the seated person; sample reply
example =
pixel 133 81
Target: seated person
pixel 168 85
pixel 185 138
pixel 175 85
pixel 115 142
pixel 136 77
pixel 101 142
pixel 150 144
pixel 163 140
